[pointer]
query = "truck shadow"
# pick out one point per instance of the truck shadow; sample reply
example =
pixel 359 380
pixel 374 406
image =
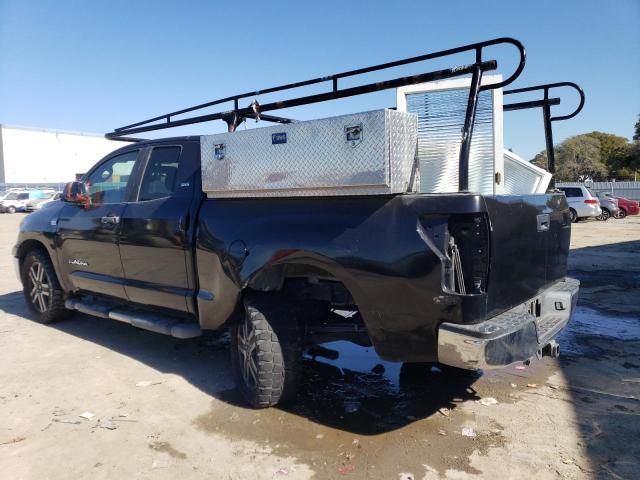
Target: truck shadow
pixel 354 391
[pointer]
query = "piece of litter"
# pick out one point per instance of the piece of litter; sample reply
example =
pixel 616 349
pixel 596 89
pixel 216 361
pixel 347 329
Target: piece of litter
pixel 488 401
pixel 520 367
pixel 468 432
pixel 442 432
pixel 13 440
pixel 282 471
pixel 320 436
pixel 532 385
pixel 355 442
pixel 107 423
pixel 346 468
pixel 567 461
pixel 87 415
pixel 555 387
pixel 62 420
pixel 147 383
pixel 444 411
pixel 513 385
pixel 406 476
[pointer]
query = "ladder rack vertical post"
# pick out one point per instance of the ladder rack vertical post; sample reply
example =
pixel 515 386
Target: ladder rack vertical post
pixel 467 129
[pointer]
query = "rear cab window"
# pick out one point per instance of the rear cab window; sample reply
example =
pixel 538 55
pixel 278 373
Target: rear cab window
pixel 572 192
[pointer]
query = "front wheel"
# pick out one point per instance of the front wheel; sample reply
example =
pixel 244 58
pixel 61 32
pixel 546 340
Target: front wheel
pixel 11 209
pixel 621 214
pixel 266 352
pixel 41 288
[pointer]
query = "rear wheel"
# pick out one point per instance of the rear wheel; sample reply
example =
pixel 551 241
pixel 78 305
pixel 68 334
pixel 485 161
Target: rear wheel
pixel 41 288
pixel 574 215
pixel 11 209
pixel 621 214
pixel 266 352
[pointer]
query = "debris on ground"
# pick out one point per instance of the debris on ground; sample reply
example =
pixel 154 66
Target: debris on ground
pixel 63 420
pixel 532 385
pixel 148 383
pixel 520 367
pixel 107 423
pixel 442 432
pixel 407 476
pixel 344 469
pixel 282 471
pixel 513 385
pixel 320 436
pixel 445 411
pixel 555 387
pixel 488 401
pixel 567 461
pixel 87 415
pixel 468 432
pixel 13 440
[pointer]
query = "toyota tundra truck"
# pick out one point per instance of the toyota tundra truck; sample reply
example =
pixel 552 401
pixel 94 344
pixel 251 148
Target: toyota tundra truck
pixel 243 231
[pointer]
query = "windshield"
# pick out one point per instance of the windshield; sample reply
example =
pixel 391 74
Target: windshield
pixel 11 196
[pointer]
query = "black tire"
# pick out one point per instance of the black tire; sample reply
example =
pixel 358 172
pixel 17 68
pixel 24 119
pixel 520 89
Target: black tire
pixel 41 288
pixel 266 352
pixel 11 209
pixel 621 214
pixel 574 215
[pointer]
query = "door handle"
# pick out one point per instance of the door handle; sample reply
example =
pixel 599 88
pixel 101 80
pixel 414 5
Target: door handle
pixel 110 220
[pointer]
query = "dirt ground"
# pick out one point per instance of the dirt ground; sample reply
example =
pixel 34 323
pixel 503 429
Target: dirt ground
pixel 163 408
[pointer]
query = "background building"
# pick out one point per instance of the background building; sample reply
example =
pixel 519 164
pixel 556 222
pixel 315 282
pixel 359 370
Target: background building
pixel 37 156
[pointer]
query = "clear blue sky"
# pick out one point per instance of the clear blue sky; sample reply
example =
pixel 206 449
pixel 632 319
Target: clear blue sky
pixel 93 66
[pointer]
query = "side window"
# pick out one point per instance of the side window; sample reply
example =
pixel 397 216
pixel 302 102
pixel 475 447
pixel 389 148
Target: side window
pixel 23 196
pixel 108 183
pixel 161 176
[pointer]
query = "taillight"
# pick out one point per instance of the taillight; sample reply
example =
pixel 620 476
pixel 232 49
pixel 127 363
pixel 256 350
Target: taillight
pixel 591 201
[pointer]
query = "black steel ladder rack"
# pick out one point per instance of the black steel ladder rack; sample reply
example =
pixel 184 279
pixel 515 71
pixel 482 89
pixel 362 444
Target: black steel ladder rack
pixel 239 114
pixel 545 104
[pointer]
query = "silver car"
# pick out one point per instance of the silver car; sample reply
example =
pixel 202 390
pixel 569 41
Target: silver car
pixel 582 203
pixel 608 204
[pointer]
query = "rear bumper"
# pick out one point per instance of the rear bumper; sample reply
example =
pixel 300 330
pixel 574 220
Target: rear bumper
pixel 513 336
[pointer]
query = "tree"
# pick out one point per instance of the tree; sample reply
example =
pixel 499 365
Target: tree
pixel 576 157
pixel 636 134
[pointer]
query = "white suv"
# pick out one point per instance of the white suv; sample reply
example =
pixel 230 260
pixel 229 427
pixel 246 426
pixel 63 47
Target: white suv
pixel 14 202
pixel 581 202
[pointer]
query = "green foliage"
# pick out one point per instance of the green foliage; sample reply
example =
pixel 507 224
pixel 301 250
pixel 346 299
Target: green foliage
pixel 575 157
pixel 595 154
pixel 636 132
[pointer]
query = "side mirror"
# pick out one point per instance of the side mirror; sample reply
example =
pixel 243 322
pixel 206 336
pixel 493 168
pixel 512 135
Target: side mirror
pixel 76 192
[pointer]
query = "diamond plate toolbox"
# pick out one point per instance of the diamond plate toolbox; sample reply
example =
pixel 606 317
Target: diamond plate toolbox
pixel 359 154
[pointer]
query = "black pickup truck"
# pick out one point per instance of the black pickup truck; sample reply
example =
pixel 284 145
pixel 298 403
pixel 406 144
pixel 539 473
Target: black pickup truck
pixel 138 241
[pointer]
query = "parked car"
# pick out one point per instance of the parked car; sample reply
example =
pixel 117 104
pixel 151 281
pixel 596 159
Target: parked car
pixel 608 205
pixel 581 203
pixel 627 207
pixel 15 201
pixel 37 203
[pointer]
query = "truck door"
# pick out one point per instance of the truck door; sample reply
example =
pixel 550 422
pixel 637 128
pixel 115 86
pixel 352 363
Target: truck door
pixel 155 235
pixel 88 236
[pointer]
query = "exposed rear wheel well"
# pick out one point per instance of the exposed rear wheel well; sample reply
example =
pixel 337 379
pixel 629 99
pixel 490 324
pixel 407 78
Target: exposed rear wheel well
pixel 325 307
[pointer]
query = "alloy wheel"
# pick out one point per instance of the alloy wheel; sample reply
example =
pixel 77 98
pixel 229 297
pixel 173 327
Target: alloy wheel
pixel 247 353
pixel 40 292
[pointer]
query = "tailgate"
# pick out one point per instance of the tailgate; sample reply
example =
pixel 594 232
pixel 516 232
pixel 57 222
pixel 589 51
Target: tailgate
pixel 530 237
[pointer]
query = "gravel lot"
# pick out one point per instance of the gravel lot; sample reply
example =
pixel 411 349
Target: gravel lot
pixel 165 408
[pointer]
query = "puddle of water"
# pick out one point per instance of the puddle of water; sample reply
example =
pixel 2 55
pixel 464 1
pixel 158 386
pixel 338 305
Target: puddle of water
pixel 588 324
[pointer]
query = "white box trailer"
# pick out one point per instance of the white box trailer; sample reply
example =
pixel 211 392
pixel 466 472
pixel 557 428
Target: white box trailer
pixel 44 156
